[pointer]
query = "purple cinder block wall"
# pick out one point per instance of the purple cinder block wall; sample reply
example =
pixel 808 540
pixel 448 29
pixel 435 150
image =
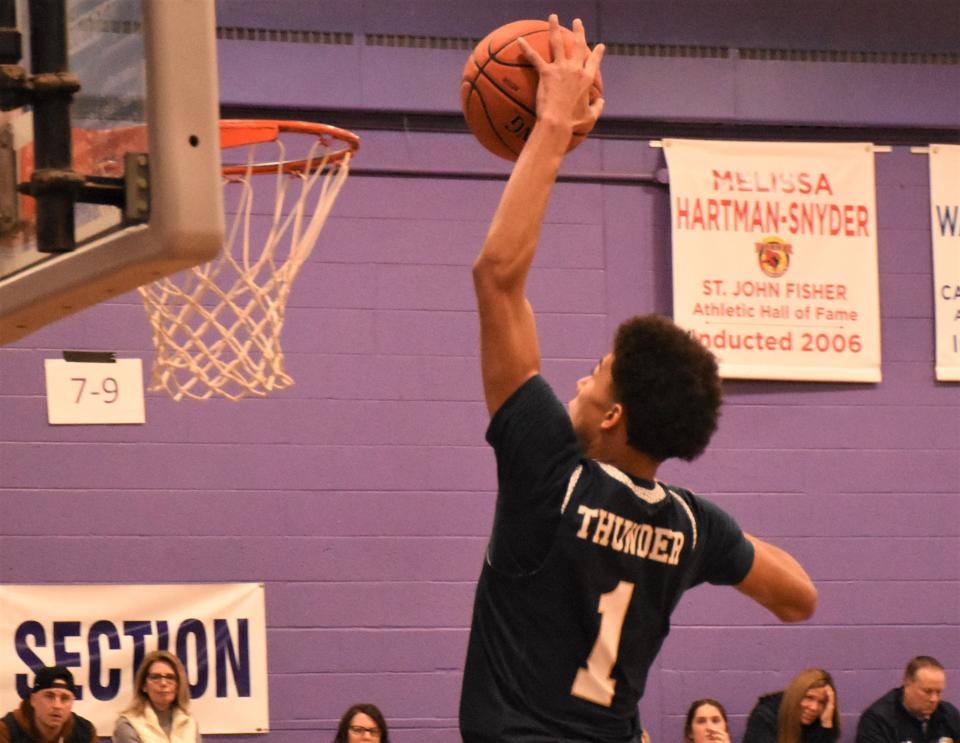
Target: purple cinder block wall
pixel 362 496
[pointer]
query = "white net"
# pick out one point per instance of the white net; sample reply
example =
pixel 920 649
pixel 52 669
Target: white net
pixel 216 327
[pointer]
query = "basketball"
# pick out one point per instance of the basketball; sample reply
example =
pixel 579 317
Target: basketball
pixel 498 89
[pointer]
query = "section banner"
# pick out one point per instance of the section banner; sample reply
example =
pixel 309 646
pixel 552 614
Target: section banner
pixel 102 633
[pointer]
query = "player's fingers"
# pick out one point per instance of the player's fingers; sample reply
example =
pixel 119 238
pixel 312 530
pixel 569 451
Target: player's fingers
pixel 580 37
pixel 596 108
pixel 556 40
pixel 592 65
pixel 532 55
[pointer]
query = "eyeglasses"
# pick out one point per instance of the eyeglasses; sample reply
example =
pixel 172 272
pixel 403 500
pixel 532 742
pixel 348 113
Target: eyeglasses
pixel 360 730
pixel 158 677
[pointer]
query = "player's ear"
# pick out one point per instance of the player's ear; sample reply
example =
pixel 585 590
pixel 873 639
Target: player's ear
pixel 613 417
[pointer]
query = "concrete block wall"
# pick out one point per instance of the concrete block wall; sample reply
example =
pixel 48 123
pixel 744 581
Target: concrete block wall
pixel 362 496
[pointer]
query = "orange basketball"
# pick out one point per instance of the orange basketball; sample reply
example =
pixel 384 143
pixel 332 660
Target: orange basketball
pixel 498 89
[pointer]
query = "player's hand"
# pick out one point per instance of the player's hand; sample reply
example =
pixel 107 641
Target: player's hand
pixel 563 93
pixel 826 717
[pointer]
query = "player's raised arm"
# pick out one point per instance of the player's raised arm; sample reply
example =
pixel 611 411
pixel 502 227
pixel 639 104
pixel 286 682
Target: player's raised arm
pixel 509 351
pixel 779 583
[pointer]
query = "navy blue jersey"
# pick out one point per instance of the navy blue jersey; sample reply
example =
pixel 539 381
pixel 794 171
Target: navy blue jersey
pixel 584 567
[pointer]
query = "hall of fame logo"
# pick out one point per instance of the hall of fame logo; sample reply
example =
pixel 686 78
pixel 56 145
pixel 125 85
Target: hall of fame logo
pixel 773 256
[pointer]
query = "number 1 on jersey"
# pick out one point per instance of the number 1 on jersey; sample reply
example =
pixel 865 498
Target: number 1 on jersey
pixel 594 683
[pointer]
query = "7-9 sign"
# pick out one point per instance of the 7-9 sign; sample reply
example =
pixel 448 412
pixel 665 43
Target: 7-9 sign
pixel 85 392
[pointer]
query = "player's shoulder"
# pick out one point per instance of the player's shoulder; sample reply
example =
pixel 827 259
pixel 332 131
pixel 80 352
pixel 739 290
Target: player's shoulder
pixel 701 506
pixel 650 492
pixel 655 494
pixel 532 405
pixel 717 535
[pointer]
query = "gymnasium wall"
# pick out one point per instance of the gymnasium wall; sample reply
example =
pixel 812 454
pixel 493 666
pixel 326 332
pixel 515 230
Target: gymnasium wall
pixel 362 496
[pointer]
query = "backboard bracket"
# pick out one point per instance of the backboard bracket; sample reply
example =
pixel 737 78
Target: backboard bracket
pixel 9 203
pixel 148 69
pixel 129 193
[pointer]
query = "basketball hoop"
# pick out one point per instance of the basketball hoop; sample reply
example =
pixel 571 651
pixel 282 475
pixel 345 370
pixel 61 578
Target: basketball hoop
pixel 216 327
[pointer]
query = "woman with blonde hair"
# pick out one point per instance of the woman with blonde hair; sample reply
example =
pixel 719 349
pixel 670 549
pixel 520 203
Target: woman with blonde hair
pixel 805 712
pixel 159 712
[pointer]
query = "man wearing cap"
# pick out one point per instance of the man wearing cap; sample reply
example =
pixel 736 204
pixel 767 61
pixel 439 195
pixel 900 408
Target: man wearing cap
pixel 915 712
pixel 45 716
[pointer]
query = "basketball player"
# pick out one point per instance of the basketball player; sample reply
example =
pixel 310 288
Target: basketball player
pixel 589 553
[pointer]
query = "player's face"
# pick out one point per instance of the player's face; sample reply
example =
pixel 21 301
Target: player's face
pixel 161 685
pixel 707 725
pixel 923 692
pixel 593 400
pixel 812 705
pixel 51 708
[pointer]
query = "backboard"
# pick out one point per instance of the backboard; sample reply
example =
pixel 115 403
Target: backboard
pixel 147 71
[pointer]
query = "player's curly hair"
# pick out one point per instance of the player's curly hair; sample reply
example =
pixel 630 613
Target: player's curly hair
pixel 669 386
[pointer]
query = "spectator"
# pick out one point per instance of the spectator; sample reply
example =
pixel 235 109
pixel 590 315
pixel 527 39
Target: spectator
pixel 45 715
pixel 706 723
pixel 362 722
pixel 913 712
pixel 159 712
pixel 805 712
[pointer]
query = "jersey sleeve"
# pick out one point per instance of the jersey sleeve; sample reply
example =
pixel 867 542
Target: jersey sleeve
pixel 728 554
pixel 536 451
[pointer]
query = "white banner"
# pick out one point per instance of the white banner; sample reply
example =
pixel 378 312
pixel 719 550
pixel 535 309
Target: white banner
pixel 945 223
pixel 775 257
pixel 102 632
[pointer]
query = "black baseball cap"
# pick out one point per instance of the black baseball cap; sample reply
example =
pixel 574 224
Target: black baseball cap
pixel 54 677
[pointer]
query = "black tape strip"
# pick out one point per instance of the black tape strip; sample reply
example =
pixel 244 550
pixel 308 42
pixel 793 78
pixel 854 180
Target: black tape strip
pixel 91 357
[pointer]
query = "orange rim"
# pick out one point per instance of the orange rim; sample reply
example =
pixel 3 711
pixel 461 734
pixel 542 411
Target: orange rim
pixel 242 132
